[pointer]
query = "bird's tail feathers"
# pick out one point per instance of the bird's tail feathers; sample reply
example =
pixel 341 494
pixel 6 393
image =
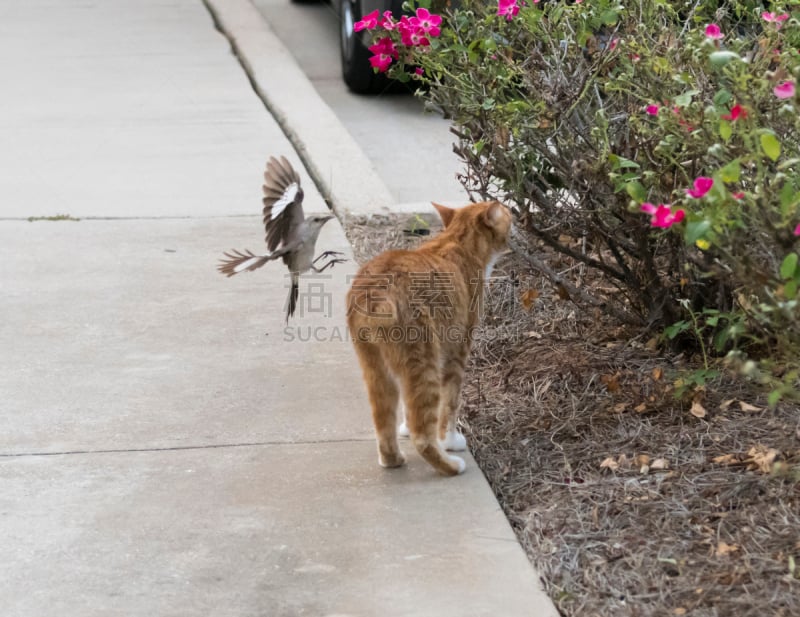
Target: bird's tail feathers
pixel 238 261
pixel 291 301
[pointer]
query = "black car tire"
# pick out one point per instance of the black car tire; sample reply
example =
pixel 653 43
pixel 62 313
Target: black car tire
pixel 357 72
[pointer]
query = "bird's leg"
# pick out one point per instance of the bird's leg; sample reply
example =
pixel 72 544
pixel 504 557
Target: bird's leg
pixel 330 264
pixel 326 254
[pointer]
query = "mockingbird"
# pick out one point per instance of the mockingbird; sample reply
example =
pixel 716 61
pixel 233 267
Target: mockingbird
pixel 290 235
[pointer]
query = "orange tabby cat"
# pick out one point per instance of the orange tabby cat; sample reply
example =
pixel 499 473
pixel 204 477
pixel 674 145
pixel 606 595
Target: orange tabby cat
pixel 411 316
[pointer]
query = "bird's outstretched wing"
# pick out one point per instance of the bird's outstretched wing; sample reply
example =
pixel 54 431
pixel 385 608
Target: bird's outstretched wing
pixel 283 204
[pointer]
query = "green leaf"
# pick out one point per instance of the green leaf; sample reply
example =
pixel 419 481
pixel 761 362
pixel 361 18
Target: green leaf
pixel 609 17
pixel 725 130
pixel 675 329
pixel 620 162
pixel 790 290
pixel 770 145
pixel 517 106
pixel 684 99
pixel 627 163
pixel 773 397
pixel 722 97
pixel 696 230
pixel 789 208
pixel 731 172
pixel 721 339
pixel 636 191
pixel 556 13
pixel 789 266
pixel 721 58
pixel 787 197
pixel 661 65
pixel 488 103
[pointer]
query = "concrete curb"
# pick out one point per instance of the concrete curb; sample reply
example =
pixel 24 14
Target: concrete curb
pixel 320 139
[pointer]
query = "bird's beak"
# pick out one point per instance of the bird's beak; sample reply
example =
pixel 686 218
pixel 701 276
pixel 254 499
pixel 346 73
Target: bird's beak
pixel 328 218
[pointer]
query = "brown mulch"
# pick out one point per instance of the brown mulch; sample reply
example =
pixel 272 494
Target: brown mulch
pixel 627 499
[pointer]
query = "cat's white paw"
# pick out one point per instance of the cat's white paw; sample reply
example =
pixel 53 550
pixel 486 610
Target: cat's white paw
pixel 402 430
pixel 460 462
pixel 454 441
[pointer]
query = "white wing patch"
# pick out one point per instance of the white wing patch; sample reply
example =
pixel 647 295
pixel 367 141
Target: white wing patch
pixel 246 264
pixel 288 197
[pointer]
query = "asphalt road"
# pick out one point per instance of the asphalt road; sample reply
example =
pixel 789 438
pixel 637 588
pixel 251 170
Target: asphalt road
pixel 411 149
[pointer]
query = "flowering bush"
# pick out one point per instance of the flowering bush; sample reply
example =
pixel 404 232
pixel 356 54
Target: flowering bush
pixel 583 115
pixel 411 32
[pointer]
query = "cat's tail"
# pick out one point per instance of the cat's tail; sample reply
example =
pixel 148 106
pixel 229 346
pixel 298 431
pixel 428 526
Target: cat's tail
pixel 238 261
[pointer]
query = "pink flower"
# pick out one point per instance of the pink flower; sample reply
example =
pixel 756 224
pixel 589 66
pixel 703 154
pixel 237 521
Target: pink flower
pixel 652 110
pixel 404 25
pixel 384 52
pixel 415 38
pixel 784 90
pixel 662 215
pixel 387 22
pixel 613 44
pixel 368 23
pixel 419 70
pixel 797 230
pixel 425 21
pixel 737 111
pixel 738 195
pixel 380 62
pixel 410 32
pixel 384 45
pixel 508 8
pixel 701 186
pixel 774 18
pixel 713 32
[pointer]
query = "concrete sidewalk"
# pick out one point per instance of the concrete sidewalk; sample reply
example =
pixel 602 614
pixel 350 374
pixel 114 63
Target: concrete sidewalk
pixel 167 447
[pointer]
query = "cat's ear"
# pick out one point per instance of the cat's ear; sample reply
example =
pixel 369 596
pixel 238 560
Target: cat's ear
pixel 493 214
pixel 446 213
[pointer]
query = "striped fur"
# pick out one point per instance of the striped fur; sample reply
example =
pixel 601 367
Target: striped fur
pixel 411 315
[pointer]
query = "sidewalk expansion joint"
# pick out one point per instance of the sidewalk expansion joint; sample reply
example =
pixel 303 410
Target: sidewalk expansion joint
pixel 244 444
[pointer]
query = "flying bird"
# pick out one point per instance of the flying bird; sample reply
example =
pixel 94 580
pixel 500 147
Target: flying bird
pixel 290 235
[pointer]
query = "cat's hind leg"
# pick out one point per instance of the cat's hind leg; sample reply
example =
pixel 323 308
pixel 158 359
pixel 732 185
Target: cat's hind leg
pixel 421 390
pixel 402 429
pixel 384 398
pixel 452 377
